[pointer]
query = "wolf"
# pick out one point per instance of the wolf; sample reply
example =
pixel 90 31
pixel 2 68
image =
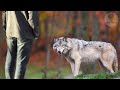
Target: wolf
pixel 77 51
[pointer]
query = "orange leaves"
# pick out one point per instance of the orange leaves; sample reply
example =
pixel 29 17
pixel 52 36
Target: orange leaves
pixel 43 16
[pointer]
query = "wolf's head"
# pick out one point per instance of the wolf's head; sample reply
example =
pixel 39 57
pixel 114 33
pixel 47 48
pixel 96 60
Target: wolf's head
pixel 62 45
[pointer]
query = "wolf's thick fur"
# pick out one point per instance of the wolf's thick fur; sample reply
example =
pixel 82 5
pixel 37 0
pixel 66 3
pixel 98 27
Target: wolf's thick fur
pixel 77 51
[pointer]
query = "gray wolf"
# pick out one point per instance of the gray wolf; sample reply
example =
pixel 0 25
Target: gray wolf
pixel 77 51
pixel 21 28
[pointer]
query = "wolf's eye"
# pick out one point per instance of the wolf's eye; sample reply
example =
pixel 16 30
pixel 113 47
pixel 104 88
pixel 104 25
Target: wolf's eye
pixel 64 46
pixel 56 46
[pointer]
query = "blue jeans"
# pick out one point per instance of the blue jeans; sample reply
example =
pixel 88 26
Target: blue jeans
pixel 18 54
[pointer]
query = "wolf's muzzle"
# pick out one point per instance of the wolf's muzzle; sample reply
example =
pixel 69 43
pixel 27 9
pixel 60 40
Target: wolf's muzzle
pixel 59 52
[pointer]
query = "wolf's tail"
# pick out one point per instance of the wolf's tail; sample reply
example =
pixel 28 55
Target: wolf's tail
pixel 115 62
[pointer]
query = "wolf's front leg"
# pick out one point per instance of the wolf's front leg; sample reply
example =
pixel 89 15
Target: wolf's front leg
pixel 75 56
pixel 72 64
pixel 77 67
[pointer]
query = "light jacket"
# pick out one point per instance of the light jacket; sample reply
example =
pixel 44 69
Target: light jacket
pixel 21 24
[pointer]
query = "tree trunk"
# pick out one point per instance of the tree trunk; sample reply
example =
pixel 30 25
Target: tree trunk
pixel 95 27
pixel 1 35
pixel 118 40
pixel 74 28
pixel 84 25
pixel 67 23
pixel 47 48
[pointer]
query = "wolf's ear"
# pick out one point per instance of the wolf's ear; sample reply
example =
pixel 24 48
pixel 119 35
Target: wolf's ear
pixel 55 40
pixel 65 39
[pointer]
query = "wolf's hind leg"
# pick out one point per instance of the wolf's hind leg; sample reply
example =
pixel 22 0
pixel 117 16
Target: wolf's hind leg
pixel 108 65
pixel 115 64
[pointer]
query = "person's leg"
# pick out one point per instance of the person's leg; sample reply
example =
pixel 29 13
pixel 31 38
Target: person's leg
pixel 10 58
pixel 23 53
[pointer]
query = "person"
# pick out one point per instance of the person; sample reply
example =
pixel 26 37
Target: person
pixel 21 28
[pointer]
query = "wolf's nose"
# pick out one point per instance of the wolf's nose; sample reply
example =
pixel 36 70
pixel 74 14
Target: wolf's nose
pixel 59 52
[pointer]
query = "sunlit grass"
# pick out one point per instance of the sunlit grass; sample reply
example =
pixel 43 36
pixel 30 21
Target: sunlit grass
pixel 101 75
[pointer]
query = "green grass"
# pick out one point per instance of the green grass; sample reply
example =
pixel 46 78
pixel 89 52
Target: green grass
pixel 2 71
pixel 2 75
pixel 36 72
pixel 101 75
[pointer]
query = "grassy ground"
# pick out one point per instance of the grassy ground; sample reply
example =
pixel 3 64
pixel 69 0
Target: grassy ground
pixel 35 72
pixel 101 75
pixel 2 75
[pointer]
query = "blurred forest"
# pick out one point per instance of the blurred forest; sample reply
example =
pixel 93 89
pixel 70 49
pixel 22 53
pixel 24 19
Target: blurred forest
pixel 87 25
